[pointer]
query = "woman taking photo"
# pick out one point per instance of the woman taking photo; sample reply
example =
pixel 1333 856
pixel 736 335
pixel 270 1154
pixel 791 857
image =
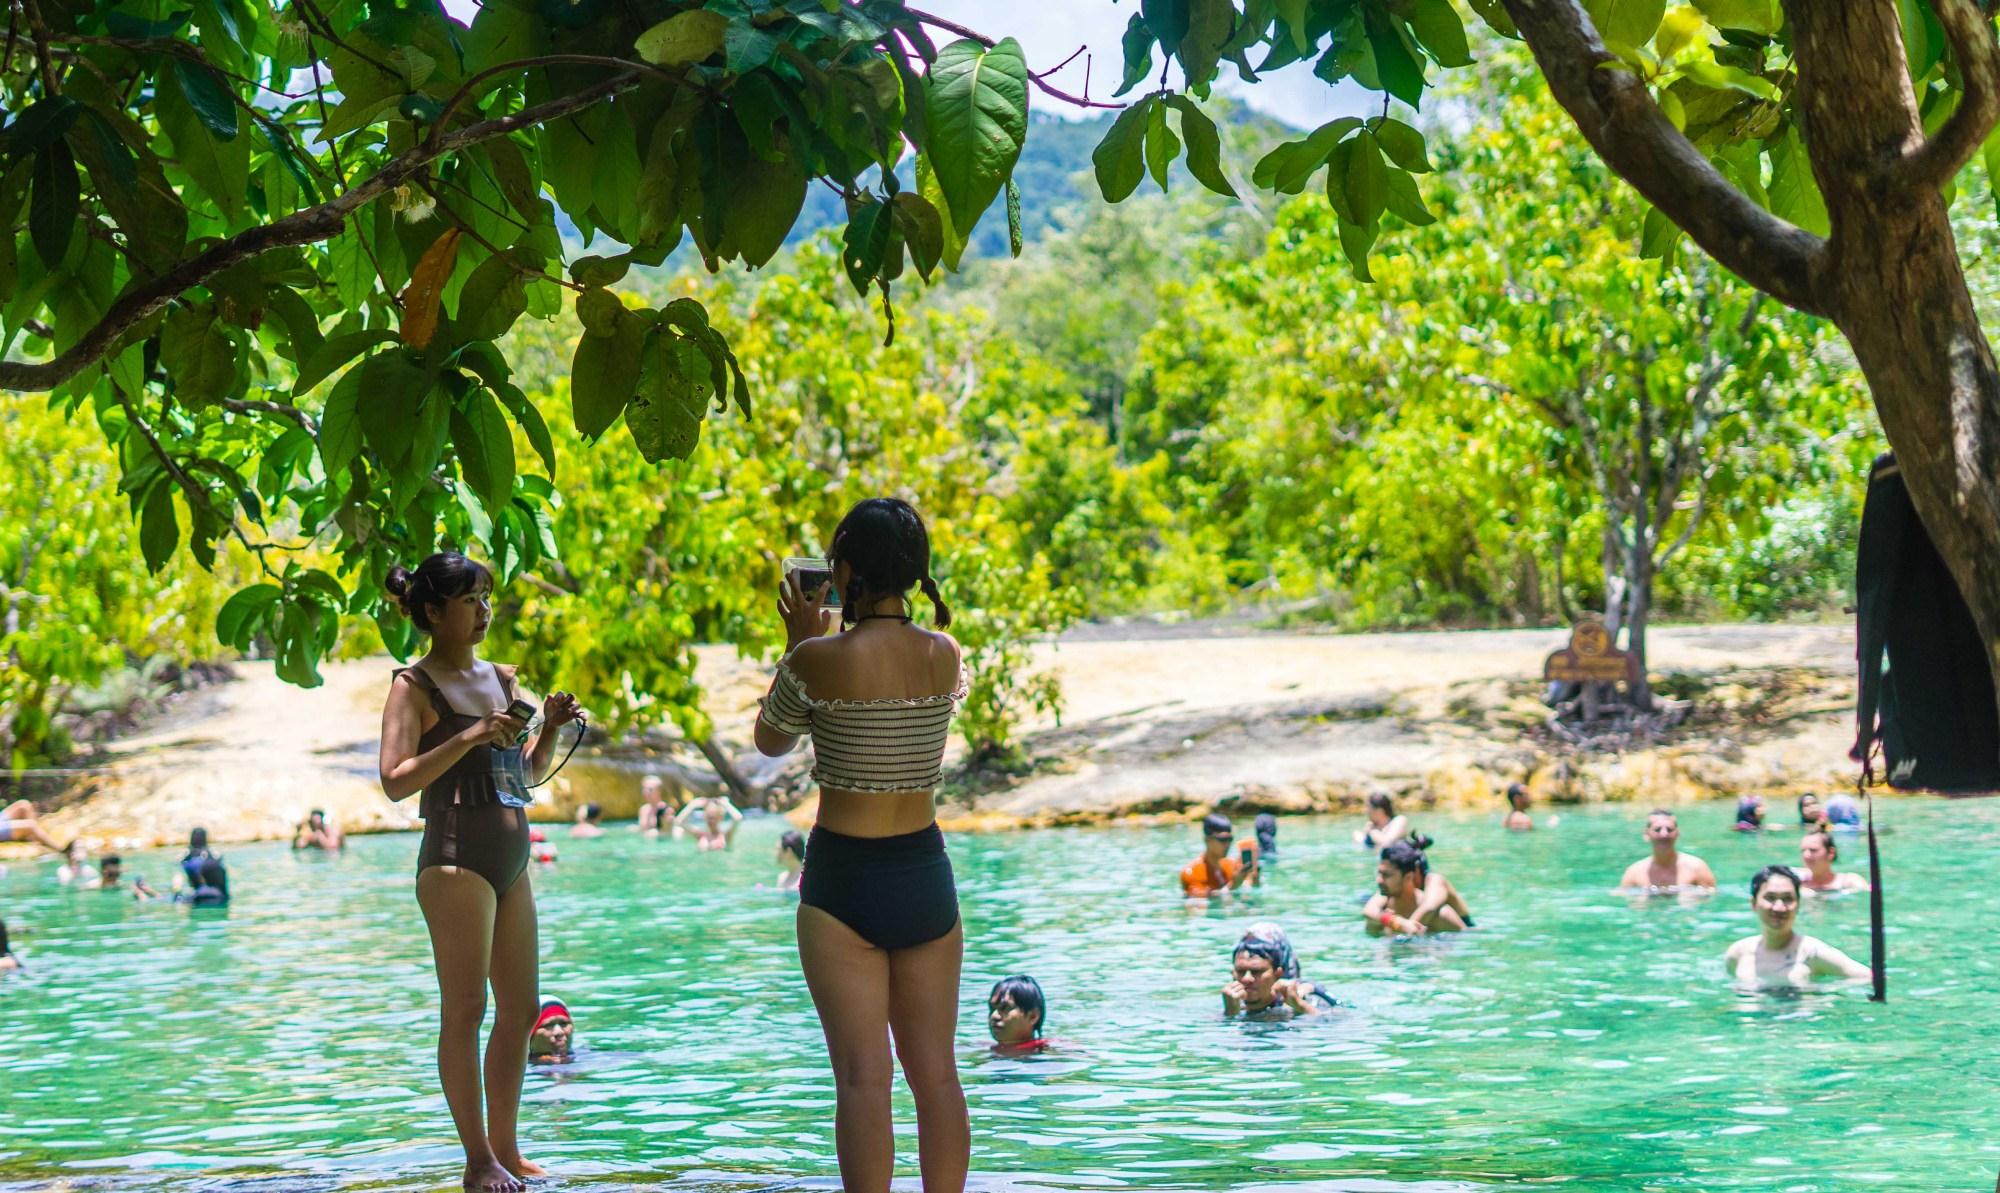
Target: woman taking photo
pixel 446 733
pixel 879 935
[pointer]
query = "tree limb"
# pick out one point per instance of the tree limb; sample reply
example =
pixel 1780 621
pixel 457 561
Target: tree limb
pixel 1618 117
pixel 278 408
pixel 301 227
pixel 1934 162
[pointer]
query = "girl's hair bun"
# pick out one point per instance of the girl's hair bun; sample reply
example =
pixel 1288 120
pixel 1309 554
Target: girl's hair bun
pixel 398 584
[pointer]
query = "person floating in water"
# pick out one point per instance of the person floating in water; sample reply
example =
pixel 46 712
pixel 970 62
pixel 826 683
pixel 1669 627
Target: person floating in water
pixel 1264 979
pixel 18 823
pixel 318 833
pixel 1517 819
pixel 447 732
pixel 719 821
pixel 1385 827
pixel 655 813
pixel 111 877
pixel 1817 853
pixel 1410 899
pixel 1016 1015
pixel 553 1040
pixel 1750 814
pixel 1216 871
pixel 791 859
pixel 587 818
pixel 1667 868
pixel 1265 827
pixel 209 887
pixel 1779 956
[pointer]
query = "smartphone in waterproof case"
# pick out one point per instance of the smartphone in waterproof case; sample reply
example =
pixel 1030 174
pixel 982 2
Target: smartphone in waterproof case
pixel 525 711
pixel 812 575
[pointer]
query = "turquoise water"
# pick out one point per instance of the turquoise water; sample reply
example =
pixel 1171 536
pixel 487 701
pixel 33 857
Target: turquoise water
pixel 1579 1039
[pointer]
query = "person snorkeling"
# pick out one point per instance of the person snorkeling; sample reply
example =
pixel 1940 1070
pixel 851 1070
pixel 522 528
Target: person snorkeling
pixel 1265 980
pixel 453 728
pixel 1778 955
pixel 1017 1016
pixel 552 1041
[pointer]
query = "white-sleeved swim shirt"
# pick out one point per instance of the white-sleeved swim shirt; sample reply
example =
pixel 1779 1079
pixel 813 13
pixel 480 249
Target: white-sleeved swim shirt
pixel 866 745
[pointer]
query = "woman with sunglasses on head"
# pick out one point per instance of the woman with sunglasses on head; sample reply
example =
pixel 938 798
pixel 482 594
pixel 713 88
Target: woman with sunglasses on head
pixel 446 732
pixel 879 933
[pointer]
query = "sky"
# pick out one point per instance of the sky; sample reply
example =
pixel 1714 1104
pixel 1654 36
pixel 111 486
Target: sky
pixel 1051 30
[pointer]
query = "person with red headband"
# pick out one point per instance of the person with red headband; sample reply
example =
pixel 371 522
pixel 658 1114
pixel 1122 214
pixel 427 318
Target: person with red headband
pixel 554 1036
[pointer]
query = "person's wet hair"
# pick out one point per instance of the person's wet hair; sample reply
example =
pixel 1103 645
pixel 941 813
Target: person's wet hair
pixel 794 843
pixel 1407 856
pixel 1663 812
pixel 1025 993
pixel 215 874
pixel 884 541
pixel 1269 950
pixel 440 578
pixel 198 841
pixel 1517 795
pixel 1769 872
pixel 1805 799
pixel 1266 826
pixel 1381 800
pixel 111 859
pixel 1215 824
pixel 592 811
pixel 1826 839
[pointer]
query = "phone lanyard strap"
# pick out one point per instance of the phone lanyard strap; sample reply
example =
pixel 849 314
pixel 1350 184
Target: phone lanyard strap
pixel 582 730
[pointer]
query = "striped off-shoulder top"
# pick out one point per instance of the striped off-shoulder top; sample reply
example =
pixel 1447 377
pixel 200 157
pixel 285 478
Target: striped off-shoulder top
pixel 866 745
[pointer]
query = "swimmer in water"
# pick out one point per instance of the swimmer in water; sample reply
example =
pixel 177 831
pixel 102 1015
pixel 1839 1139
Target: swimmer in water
pixel 210 886
pixel 318 833
pixel 655 813
pixel 1216 871
pixel 1384 826
pixel 1843 811
pixel 111 877
pixel 1812 817
pixel 1259 987
pixel 1411 900
pixel 75 865
pixel 720 819
pixel 7 958
pixel 552 1041
pixel 1818 853
pixel 1266 829
pixel 1668 868
pixel 1750 814
pixel 791 860
pixel 1778 956
pixel 1517 819
pixel 1015 1014
pixel 586 821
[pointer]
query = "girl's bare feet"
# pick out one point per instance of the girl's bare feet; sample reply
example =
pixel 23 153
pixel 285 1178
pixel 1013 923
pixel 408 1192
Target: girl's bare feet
pixel 523 1168
pixel 490 1176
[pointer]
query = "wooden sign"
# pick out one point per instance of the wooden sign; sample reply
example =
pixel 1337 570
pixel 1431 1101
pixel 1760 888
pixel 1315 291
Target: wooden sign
pixel 1590 658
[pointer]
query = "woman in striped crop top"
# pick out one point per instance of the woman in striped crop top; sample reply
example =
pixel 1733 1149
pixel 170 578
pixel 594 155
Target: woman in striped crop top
pixel 879 934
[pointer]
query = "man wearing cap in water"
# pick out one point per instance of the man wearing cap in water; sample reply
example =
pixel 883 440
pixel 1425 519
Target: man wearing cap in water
pixel 554 1034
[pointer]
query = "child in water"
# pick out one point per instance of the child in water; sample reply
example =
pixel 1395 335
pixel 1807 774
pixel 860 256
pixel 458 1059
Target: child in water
pixel 1016 1013
pixel 791 860
pixel 553 1039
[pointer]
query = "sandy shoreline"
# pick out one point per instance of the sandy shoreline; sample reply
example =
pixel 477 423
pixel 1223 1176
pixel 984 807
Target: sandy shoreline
pixel 1160 724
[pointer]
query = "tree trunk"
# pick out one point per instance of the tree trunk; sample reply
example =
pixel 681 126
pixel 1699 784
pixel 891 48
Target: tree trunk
pixel 725 769
pixel 1640 584
pixel 1898 291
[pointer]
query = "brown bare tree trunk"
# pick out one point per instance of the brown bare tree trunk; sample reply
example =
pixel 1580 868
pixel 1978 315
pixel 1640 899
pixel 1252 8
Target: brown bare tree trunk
pixel 1888 276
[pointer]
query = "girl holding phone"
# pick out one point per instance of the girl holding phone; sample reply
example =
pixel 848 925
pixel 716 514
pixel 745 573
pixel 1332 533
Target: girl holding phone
pixel 452 728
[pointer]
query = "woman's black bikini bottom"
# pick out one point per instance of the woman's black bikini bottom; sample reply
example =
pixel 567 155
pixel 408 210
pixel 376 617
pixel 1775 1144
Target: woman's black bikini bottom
pixel 491 840
pixel 895 892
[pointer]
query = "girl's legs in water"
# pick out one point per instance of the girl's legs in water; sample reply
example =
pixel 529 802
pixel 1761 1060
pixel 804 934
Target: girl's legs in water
pixel 459 908
pixel 516 983
pixel 849 981
pixel 923 1014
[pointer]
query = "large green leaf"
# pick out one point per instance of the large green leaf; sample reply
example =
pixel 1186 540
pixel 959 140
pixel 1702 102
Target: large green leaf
pixel 236 623
pixel 492 298
pixel 1367 181
pixel 1628 23
pixel 768 198
pixel 865 245
pixel 684 38
pixel 1436 24
pixel 1290 166
pixel 53 203
pixel 198 356
pixel 1751 16
pixel 392 393
pixel 1402 75
pixel 1403 144
pixel 671 399
pixel 208 95
pixel 159 532
pixel 1120 158
pixel 1210 24
pixel 976 119
pixel 1794 193
pixel 485 447
pixel 1138 47
pixel 922 230
pixel 1204 146
pixel 604 373
pixel 334 352
pixel 1162 146
pixel 221 168
pixel 340 424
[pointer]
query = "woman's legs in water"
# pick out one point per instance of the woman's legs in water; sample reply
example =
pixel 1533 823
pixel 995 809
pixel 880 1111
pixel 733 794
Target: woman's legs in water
pixel 459 908
pixel 849 981
pixel 923 1014
pixel 516 983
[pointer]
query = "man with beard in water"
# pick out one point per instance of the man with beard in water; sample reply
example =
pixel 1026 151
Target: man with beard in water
pixel 1409 899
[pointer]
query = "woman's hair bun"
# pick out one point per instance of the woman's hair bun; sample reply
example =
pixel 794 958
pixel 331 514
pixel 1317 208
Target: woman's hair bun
pixel 398 584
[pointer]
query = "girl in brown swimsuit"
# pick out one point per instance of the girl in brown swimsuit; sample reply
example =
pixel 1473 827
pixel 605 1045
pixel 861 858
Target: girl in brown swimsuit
pixel 445 732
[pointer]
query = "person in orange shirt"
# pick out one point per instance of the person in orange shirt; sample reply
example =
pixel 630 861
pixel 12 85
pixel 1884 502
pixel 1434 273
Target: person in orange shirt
pixel 1216 871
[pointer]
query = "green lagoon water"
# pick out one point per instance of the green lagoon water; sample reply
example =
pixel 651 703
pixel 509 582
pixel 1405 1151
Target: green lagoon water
pixel 1579 1039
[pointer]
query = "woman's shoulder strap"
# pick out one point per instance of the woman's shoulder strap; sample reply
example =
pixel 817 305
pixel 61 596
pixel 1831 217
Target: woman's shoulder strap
pixel 422 679
pixel 508 686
